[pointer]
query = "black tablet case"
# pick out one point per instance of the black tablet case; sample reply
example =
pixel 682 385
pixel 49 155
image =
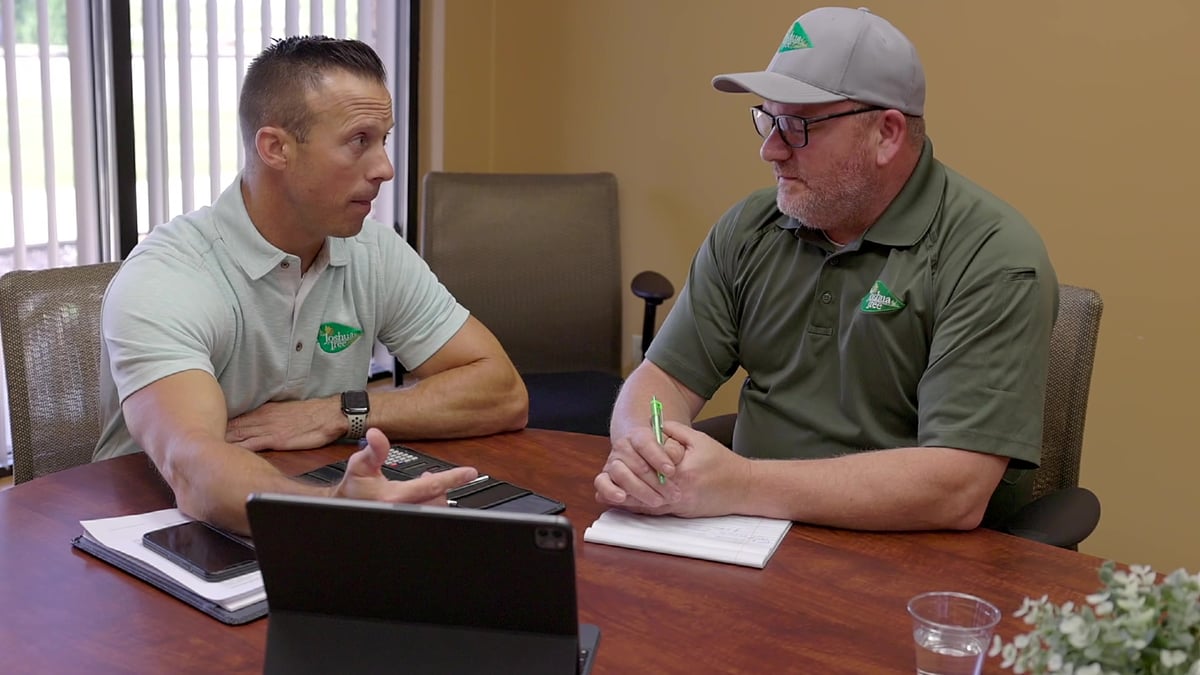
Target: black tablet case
pixel 358 586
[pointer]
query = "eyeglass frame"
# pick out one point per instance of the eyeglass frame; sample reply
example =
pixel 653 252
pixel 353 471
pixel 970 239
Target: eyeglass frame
pixel 804 121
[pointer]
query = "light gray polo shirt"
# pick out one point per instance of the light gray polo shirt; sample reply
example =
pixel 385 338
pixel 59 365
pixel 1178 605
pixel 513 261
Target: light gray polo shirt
pixel 207 292
pixel 933 329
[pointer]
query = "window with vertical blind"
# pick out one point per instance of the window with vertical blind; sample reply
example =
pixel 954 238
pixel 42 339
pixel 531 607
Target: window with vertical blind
pixel 120 115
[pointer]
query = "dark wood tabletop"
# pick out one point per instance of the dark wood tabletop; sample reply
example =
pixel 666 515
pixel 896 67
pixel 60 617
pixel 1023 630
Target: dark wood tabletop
pixel 829 601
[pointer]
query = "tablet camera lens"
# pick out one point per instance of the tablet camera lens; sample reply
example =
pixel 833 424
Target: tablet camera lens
pixel 550 539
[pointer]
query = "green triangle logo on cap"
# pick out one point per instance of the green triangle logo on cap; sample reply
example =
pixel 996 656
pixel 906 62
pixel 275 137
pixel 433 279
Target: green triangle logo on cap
pixel 880 300
pixel 795 39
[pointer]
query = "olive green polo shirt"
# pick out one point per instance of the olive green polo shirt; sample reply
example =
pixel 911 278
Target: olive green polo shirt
pixel 932 329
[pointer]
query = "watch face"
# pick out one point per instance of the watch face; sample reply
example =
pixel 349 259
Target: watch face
pixel 355 403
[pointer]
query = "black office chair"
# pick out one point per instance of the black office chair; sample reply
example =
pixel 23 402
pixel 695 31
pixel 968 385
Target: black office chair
pixel 1061 512
pixel 536 258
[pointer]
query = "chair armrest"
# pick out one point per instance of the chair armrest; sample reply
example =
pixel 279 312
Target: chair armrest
pixel 652 287
pixel 1063 518
pixel 719 427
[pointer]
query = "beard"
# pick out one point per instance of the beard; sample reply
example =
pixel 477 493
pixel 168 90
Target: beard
pixel 833 199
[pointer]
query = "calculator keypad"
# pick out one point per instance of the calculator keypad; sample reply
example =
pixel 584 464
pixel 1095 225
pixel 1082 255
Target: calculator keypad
pixel 399 456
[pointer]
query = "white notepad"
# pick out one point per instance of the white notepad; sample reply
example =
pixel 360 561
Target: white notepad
pixel 740 540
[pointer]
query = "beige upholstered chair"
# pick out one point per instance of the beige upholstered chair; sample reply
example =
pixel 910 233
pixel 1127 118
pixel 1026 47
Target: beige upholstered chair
pixel 50 329
pixel 1061 512
pixel 536 258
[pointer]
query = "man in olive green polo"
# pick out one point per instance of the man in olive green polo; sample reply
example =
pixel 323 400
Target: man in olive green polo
pixel 893 317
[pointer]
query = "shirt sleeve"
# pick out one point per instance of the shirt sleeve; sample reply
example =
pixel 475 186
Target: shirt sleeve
pixel 984 386
pixel 417 314
pixel 698 341
pixel 160 318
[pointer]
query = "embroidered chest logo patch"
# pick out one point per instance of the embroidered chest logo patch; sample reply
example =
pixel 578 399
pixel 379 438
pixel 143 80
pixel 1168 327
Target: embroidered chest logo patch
pixel 879 300
pixel 334 337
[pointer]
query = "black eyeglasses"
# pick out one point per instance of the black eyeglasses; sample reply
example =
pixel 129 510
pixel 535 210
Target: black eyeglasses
pixel 793 129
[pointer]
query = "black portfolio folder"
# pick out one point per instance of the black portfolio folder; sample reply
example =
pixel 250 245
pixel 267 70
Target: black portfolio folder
pixel 152 576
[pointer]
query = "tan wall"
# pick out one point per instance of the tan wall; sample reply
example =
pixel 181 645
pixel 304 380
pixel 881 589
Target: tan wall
pixel 1078 112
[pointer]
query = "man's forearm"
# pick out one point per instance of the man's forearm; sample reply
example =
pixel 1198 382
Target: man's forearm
pixel 899 489
pixel 212 479
pixel 632 409
pixel 476 399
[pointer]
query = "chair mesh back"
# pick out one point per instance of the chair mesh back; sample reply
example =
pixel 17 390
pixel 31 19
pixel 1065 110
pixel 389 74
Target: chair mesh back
pixel 1072 352
pixel 534 257
pixel 50 327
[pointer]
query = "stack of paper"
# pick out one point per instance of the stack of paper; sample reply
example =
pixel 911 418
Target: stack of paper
pixel 118 541
pixel 740 540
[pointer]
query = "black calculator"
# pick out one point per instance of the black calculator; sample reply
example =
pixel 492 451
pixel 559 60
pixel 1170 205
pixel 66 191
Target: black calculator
pixel 485 492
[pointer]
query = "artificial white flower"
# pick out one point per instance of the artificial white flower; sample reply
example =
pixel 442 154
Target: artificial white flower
pixel 1138 623
pixel 1172 657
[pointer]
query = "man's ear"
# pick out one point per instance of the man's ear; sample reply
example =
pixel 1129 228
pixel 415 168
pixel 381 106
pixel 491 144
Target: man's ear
pixel 892 129
pixel 274 146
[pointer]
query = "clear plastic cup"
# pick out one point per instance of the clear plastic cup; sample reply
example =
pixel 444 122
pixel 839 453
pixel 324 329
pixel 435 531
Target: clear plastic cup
pixel 951 632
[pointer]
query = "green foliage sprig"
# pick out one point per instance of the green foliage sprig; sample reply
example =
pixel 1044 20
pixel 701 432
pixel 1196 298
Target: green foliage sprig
pixel 1135 624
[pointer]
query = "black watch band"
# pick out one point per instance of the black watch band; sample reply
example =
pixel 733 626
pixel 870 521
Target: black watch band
pixel 355 406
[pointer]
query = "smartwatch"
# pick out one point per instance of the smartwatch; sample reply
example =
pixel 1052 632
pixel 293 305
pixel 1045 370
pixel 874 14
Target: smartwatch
pixel 355 406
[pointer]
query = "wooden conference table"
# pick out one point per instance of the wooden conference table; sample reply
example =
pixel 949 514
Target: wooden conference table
pixel 829 601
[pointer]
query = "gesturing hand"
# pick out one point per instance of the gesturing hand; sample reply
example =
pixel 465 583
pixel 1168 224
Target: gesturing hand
pixel 363 479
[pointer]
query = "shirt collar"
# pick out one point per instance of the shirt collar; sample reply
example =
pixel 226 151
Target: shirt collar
pixel 246 245
pixel 906 220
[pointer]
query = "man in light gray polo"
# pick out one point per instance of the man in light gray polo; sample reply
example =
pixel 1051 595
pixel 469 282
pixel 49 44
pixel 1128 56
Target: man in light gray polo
pixel 248 325
pixel 893 317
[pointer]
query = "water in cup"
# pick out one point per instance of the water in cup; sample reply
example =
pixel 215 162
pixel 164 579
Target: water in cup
pixel 941 654
pixel 951 632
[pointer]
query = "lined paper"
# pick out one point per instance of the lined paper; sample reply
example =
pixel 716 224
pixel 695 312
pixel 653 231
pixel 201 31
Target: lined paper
pixel 739 540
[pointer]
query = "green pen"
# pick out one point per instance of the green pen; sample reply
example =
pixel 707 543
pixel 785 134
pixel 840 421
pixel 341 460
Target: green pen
pixel 656 422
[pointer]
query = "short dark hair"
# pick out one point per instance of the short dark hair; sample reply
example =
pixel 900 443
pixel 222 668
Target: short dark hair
pixel 277 81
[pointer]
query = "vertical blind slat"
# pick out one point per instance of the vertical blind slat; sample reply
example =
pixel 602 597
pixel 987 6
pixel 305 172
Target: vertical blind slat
pixel 239 61
pixel 339 18
pixel 14 133
pixel 214 103
pixel 316 18
pixel 48 164
pixel 265 19
pixel 291 18
pixel 187 155
pixel 83 134
pixel 157 173
pixel 366 12
pixel 385 44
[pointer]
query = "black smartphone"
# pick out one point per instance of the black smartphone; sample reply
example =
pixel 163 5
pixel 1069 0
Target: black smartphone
pixel 203 550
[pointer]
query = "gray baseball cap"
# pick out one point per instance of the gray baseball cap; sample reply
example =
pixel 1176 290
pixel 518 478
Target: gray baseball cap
pixel 837 53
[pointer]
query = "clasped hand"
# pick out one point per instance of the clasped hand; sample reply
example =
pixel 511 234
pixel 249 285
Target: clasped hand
pixel 287 425
pixel 702 477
